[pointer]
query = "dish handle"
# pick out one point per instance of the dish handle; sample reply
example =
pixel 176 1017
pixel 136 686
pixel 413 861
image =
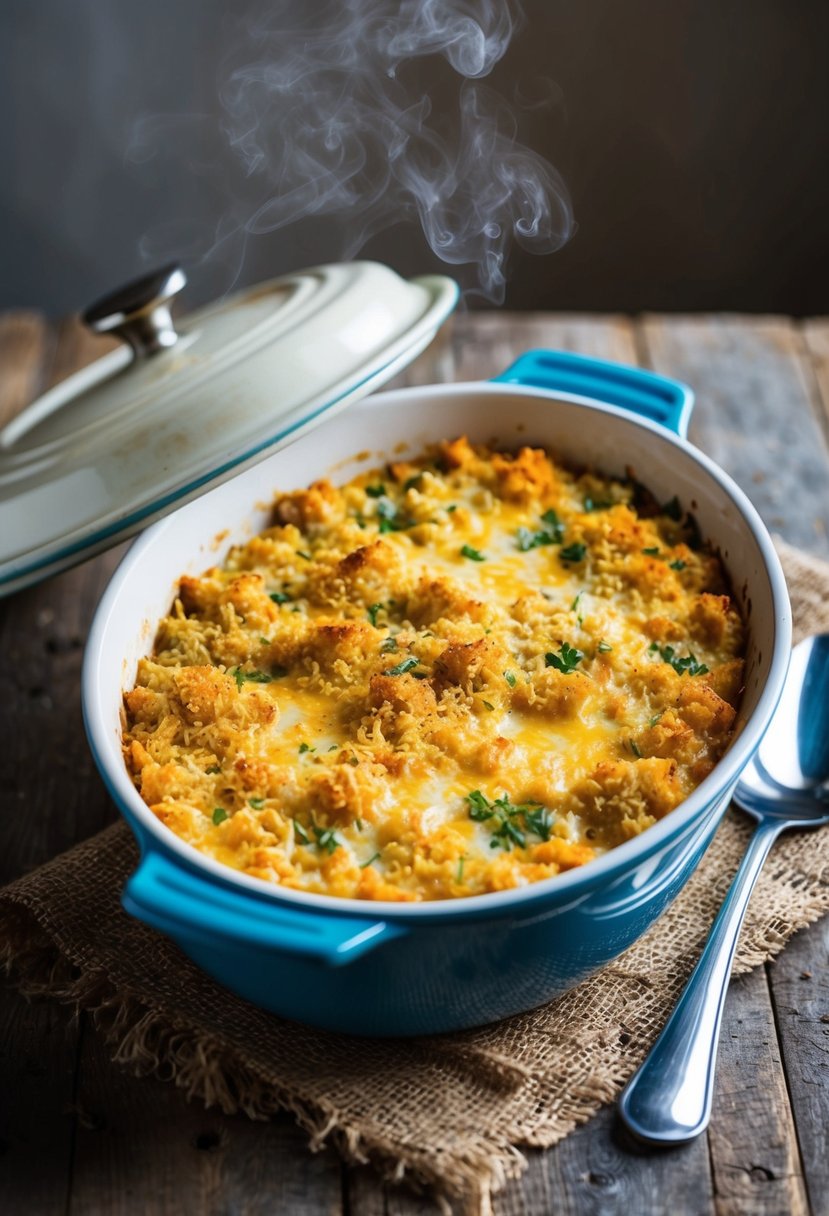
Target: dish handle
pixel 640 392
pixel 182 904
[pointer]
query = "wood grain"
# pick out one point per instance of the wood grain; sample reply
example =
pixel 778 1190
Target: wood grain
pixel 755 414
pixel 754 1152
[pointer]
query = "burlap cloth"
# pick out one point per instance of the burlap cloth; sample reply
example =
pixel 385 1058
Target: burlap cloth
pixel 446 1112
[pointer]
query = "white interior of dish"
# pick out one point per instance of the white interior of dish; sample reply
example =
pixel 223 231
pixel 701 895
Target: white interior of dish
pixel 397 424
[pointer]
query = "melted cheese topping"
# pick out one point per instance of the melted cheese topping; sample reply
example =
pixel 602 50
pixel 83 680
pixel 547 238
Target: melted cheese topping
pixel 452 676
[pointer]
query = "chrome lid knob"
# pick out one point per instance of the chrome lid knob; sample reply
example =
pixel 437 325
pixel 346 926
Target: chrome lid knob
pixel 139 313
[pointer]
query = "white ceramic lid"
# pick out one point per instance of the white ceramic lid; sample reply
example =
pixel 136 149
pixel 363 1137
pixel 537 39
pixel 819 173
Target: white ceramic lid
pixel 140 432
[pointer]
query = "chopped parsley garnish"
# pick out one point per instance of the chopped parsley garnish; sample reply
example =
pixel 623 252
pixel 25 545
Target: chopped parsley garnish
pixel 567 659
pixel 389 519
pixel 402 667
pixel 306 747
pixel 302 553
pixel 488 705
pixel 256 803
pixel 689 663
pixel 459 874
pixel 679 564
pixel 372 613
pixel 672 509
pixel 654 720
pixel 265 641
pixel 510 679
pixel 652 552
pixel 363 864
pixel 219 815
pixel 255 677
pixel 453 506
pixel 573 553
pixel 412 483
pixel 378 491
pixel 553 534
pixel 214 768
pixel 326 838
pixel 474 555
pixel 333 747
pixel 353 761
pixel 511 820
pixel 279 597
pixel 300 833
pixel 634 747
pixel 551 519
pixel 388 645
pixel 597 504
pixel 575 607
pixel 604 647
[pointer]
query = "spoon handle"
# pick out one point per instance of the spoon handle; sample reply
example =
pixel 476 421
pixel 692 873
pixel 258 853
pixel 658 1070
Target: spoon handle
pixel 668 1101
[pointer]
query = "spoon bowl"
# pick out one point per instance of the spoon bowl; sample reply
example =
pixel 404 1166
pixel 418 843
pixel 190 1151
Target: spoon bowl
pixel 784 785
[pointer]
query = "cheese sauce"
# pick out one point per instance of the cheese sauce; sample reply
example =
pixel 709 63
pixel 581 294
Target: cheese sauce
pixel 453 675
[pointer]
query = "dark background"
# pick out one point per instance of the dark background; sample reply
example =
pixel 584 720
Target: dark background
pixel 692 135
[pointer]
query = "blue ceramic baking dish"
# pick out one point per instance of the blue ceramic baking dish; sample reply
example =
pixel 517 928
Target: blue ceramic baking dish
pixel 392 969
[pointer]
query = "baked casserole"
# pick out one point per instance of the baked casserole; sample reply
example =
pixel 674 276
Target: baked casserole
pixel 459 674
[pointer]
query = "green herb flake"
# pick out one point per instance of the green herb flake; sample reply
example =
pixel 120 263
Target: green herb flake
pixel 358 823
pixel 214 768
pixel 412 483
pixel 576 606
pixel 604 647
pixel 402 667
pixel 389 645
pixel 453 506
pixel 510 821
pixel 551 519
pixel 474 555
pixel 378 491
pixel 300 833
pixel 301 553
pixel 372 613
pixel 219 815
pixel 672 509
pixel 488 705
pixel 389 519
pixel 353 761
pixel 510 679
pixel 652 552
pixel 279 597
pixel 634 747
pixel 333 747
pixel 688 664
pixel 654 720
pixel 326 839
pixel 254 677
pixel 370 861
pixel 573 553
pixel 306 747
pixel 597 504
pixel 256 803
pixel 459 872
pixel 679 564
pixel 567 659
pixel 265 641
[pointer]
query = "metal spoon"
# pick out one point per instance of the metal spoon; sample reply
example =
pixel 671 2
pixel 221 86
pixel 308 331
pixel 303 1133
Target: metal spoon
pixel 785 785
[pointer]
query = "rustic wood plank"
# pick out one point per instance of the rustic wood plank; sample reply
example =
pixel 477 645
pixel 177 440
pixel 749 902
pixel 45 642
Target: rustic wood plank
pixel 37 1070
pixel 756 413
pixel 596 1170
pixel 48 806
pixel 799 980
pixel 815 333
pixel 754 1151
pixel 26 342
pixel 142 1147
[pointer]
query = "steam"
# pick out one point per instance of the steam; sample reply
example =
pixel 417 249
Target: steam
pixel 322 121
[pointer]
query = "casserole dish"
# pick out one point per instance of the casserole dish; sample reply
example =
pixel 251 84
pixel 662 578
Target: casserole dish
pixel 392 969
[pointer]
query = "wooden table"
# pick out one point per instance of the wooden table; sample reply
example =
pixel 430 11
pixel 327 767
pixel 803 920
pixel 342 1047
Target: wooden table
pixel 78 1135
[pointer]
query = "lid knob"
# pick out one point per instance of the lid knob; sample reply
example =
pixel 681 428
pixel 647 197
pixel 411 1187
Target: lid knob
pixel 140 312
